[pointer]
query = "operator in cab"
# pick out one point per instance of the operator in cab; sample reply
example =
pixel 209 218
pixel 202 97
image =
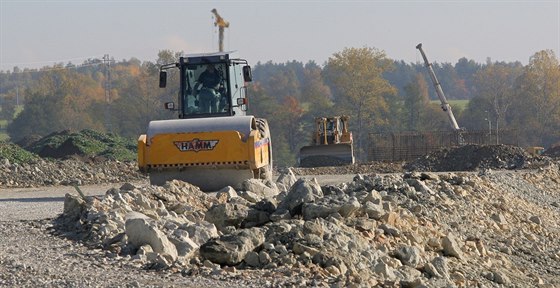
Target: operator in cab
pixel 208 86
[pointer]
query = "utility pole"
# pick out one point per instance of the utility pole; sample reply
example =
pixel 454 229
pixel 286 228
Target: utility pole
pixel 222 24
pixel 107 62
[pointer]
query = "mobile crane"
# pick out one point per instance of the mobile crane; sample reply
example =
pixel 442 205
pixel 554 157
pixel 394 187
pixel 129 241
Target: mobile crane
pixel 222 24
pixel 444 104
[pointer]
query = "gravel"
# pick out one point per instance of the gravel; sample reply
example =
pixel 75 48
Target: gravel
pixel 473 157
pixel 47 260
pixel 69 172
pixel 42 202
pixel 361 168
pixel 487 228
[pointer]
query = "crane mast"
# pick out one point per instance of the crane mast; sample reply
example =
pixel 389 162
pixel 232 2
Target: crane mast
pixel 222 24
pixel 444 104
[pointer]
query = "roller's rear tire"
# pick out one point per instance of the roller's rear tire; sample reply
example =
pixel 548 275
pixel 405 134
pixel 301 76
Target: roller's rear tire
pixel 265 172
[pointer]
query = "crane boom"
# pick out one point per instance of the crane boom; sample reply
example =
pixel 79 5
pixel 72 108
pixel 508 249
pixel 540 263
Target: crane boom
pixel 444 104
pixel 222 24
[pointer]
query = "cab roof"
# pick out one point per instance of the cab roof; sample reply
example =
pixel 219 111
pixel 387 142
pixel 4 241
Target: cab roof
pixel 203 58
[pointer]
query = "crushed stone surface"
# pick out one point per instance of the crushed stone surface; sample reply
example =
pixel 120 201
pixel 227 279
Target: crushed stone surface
pixel 496 224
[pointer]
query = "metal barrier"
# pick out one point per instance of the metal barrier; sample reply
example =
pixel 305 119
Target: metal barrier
pixel 406 146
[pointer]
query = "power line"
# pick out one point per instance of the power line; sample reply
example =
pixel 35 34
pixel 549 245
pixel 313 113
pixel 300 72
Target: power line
pixel 52 61
pixel 68 61
pixel 56 68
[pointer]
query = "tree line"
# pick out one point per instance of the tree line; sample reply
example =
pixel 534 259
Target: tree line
pixel 378 93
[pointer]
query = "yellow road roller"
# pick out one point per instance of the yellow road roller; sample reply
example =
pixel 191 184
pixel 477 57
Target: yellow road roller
pixel 213 143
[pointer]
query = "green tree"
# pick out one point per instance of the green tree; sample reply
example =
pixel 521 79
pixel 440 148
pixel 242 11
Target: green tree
pixel 355 76
pixel 537 103
pixel 495 83
pixel 280 80
pixel 478 115
pixel 291 121
pixel 60 100
pixel 8 104
pixel 416 100
pixel 466 69
pixel 36 118
pixel 262 105
pixel 316 95
pixel 136 98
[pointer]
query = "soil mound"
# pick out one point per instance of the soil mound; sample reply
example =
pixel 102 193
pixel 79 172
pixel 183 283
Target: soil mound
pixel 472 157
pixel 553 152
pixel 84 144
pixel 15 154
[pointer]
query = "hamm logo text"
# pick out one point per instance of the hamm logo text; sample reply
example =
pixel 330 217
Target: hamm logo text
pixel 196 145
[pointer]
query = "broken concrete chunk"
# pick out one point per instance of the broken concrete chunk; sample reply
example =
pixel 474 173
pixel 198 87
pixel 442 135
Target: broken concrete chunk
pixel 450 246
pixel 303 191
pixel 231 249
pixel 140 231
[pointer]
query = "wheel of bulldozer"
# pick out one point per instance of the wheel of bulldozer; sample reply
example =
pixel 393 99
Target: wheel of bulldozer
pixel 265 172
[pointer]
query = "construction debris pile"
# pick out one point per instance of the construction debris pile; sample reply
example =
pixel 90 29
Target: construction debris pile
pixel 66 172
pixel 361 168
pixel 414 229
pixel 553 152
pixel 473 157
pixel 67 158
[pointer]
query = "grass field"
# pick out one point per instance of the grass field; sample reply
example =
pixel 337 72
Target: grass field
pixel 3 135
pixel 4 124
pixel 19 108
pixel 462 104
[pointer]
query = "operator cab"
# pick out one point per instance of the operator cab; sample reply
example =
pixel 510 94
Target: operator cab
pixel 211 85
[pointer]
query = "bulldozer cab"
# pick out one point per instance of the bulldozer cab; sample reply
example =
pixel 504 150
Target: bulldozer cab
pixel 327 130
pixel 332 130
pixel 211 85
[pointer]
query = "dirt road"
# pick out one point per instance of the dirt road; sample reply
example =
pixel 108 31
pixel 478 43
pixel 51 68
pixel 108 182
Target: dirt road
pixel 40 203
pixel 32 256
pixel 511 215
pixel 48 202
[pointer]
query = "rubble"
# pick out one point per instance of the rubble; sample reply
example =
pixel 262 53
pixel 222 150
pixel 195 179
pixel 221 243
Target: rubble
pixel 358 168
pixel 70 172
pixel 552 152
pixel 410 229
pixel 473 157
pixel 68 158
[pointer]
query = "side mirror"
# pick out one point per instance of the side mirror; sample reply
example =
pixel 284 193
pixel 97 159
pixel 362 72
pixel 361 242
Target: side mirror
pixel 241 101
pixel 169 105
pixel 162 79
pixel 247 74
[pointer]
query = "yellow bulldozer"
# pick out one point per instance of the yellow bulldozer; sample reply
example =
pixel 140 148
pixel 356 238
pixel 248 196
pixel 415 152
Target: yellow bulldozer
pixel 332 144
pixel 214 143
pixel 535 150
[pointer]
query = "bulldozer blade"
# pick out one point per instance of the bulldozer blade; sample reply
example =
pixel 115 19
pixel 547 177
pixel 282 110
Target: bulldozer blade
pixel 326 155
pixel 207 179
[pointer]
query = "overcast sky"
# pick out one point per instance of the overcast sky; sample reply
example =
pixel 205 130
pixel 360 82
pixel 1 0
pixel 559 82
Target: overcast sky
pixel 39 33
